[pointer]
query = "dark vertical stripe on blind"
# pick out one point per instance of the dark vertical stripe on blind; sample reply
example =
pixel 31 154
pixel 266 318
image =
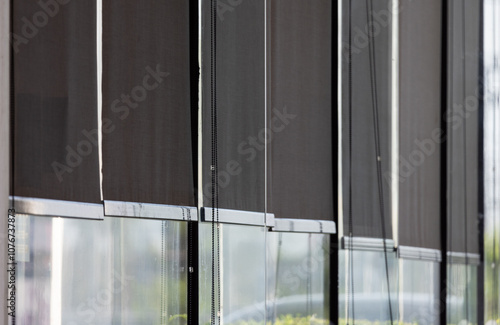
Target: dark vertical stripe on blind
pixel 419 123
pixel 463 118
pixel 240 75
pixel 366 219
pixel 56 101
pixel 147 130
pixel 300 117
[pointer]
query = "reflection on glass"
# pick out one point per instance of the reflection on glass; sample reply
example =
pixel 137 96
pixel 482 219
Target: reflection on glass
pixel 242 272
pixel 419 292
pixel 297 277
pixel 492 161
pixel 116 271
pixel 462 292
pixel 368 278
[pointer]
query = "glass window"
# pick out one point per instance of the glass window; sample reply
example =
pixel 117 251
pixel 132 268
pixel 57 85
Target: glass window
pixel 298 278
pixel 491 162
pixel 116 271
pixel 419 292
pixel 242 272
pixel 462 294
pixel 368 278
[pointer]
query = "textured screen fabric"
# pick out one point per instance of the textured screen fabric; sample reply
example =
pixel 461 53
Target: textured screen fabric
pixel 55 84
pixel 419 123
pixel 301 117
pixel 147 133
pixel 463 117
pixel 240 95
pixel 359 158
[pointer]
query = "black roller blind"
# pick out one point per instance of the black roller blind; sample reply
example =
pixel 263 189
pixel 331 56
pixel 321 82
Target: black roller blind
pixel 239 88
pixel 463 118
pixel 361 198
pixel 419 123
pixel 55 84
pixel 301 115
pixel 147 119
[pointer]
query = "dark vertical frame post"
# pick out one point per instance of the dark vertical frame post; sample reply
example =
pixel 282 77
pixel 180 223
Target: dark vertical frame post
pixel 6 78
pixel 334 238
pixel 192 253
pixel 12 102
pixel 480 192
pixel 444 164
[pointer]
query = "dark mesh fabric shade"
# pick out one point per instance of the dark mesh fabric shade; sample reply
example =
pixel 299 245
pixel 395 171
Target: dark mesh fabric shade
pixel 300 111
pixel 56 152
pixel 359 168
pixel 419 123
pixel 463 140
pixel 147 132
pixel 240 96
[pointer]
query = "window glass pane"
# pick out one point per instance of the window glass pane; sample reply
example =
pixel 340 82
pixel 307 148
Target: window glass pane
pixel 297 277
pixel 368 277
pixel 462 294
pixel 242 271
pixel 491 161
pixel 492 273
pixel 419 292
pixel 116 271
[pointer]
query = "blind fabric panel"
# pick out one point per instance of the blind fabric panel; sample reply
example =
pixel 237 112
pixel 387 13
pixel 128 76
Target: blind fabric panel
pixel 147 133
pixel 419 123
pixel 359 158
pixel 463 128
pixel 301 120
pixel 240 97
pixel 55 86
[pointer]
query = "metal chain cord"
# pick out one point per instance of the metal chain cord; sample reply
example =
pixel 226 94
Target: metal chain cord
pixel 212 161
pixel 378 154
pixel 350 285
pixel 464 79
pixel 309 276
pixel 162 275
pixel 449 273
pixel 278 259
pixel 191 320
pixel 215 310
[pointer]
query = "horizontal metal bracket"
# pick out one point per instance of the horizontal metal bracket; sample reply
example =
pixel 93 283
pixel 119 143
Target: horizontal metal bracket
pixel 239 217
pixel 367 244
pixel 304 225
pixel 418 253
pixel 149 211
pixel 57 208
pixel 463 258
